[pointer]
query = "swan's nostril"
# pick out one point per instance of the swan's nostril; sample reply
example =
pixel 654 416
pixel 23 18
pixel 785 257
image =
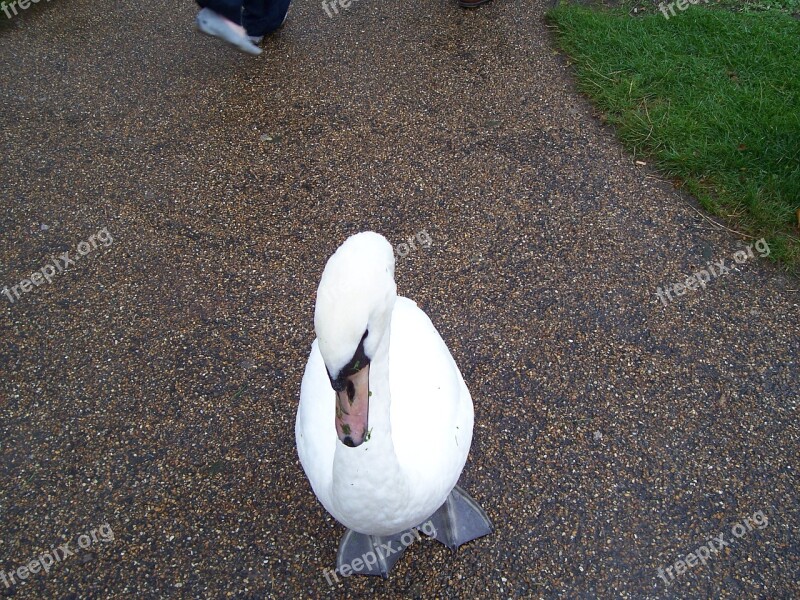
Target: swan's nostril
pixel 348 441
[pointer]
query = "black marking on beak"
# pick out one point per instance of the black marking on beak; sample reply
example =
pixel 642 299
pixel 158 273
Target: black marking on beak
pixel 358 362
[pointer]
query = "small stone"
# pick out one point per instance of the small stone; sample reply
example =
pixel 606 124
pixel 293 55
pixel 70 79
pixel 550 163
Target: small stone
pixel 44 227
pixel 597 436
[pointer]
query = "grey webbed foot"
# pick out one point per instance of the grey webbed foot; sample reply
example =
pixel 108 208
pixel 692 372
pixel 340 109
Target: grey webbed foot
pixel 362 554
pixel 459 520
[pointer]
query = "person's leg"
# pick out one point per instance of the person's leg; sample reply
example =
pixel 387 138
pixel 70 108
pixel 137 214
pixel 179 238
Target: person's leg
pixel 261 17
pixel 230 9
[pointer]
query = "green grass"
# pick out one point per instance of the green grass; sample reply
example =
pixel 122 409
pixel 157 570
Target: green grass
pixel 711 96
pixel 789 6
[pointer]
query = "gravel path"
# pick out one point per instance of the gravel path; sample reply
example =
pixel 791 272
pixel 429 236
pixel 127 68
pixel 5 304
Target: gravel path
pixel 149 390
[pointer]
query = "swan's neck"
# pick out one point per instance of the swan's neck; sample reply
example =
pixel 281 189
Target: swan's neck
pixel 372 469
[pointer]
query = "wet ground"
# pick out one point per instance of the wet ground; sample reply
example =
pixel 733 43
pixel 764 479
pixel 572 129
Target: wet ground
pixel 149 390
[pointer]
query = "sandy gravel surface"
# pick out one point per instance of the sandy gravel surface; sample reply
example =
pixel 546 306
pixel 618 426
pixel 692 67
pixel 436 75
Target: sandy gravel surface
pixel 148 392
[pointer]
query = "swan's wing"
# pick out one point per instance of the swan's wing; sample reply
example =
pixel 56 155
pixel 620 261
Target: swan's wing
pixel 314 431
pixel 432 413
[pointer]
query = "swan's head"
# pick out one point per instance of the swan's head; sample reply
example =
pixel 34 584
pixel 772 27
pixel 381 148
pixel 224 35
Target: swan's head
pixel 355 299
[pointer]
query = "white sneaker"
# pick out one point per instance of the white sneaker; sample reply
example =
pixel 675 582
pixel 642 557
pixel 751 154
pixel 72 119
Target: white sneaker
pixel 216 25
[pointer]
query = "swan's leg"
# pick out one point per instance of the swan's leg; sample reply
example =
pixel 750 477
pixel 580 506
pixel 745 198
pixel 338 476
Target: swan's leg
pixel 361 554
pixel 459 520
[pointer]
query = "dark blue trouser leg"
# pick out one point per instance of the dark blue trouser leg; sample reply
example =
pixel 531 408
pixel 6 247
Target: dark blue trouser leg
pixel 259 17
pixel 230 9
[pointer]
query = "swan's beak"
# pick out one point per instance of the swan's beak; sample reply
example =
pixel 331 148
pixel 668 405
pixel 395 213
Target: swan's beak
pixel 352 408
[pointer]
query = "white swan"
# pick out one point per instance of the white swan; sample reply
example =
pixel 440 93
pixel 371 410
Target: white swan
pixel 384 423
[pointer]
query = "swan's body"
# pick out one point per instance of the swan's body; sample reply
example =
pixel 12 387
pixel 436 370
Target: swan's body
pixel 404 472
pixel 384 424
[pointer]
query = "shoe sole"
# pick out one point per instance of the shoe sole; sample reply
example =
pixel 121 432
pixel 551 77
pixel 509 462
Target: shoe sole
pixel 243 44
